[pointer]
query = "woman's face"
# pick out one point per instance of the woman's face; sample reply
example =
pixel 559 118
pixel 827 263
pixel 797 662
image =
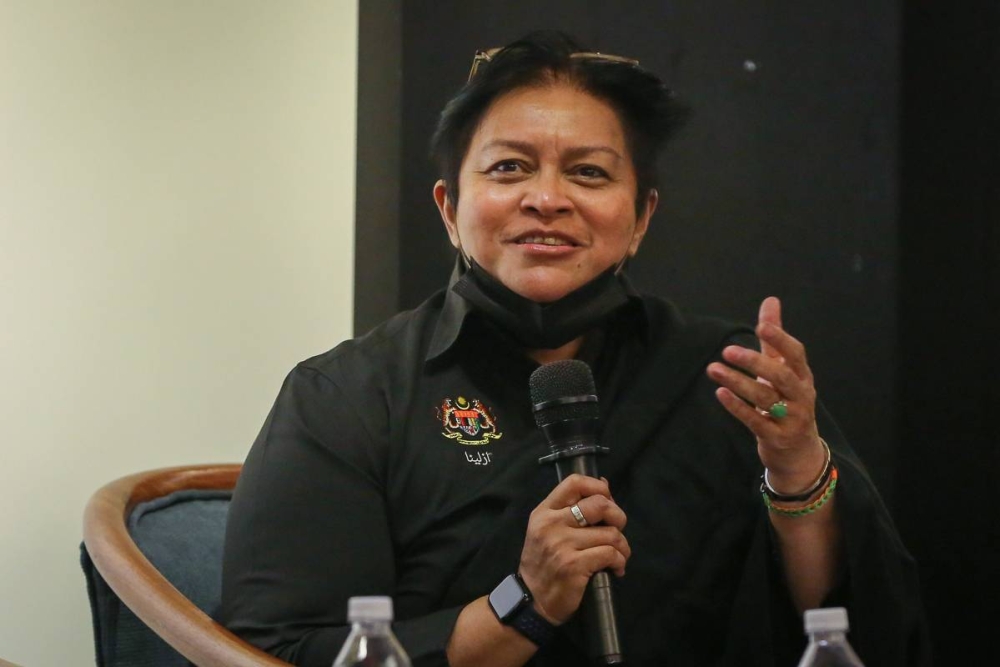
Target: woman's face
pixel 547 192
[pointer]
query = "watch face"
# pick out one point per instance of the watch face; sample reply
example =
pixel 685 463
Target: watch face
pixel 507 597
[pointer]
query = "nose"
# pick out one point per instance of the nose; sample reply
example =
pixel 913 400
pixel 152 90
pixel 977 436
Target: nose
pixel 545 195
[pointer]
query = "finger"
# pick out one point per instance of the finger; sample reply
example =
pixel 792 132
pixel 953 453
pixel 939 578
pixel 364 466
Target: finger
pixel 753 391
pixel 561 539
pixel 605 480
pixel 770 313
pixel 575 488
pixel 770 373
pixel 786 347
pixel 602 557
pixel 596 536
pixel 580 565
pixel 599 510
pixel 761 426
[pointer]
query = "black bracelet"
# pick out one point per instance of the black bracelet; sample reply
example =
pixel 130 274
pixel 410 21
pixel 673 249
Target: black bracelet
pixel 766 488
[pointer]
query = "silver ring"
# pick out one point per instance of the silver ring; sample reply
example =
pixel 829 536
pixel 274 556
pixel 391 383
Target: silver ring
pixel 578 515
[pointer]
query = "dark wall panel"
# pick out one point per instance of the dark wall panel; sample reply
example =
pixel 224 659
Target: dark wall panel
pixel 844 156
pixel 376 237
pixel 782 183
pixel 949 452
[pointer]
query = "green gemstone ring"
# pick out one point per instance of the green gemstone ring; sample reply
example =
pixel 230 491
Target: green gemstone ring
pixel 778 410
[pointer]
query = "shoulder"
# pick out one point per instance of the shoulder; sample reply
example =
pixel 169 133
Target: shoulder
pixel 360 378
pixel 341 401
pixel 397 344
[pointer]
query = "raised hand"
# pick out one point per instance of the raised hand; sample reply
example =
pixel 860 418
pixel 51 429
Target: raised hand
pixel 773 394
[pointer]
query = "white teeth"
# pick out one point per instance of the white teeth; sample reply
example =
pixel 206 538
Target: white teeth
pixel 543 240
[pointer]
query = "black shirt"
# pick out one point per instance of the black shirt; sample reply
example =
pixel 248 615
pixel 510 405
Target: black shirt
pixel 405 463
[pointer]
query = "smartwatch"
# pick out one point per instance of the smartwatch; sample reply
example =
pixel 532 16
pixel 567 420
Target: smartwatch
pixel 511 602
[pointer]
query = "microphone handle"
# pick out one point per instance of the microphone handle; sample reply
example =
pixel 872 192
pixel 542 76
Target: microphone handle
pixel 600 617
pixel 584 464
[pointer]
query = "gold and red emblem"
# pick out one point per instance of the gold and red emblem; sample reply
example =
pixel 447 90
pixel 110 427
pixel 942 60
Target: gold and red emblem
pixel 467 422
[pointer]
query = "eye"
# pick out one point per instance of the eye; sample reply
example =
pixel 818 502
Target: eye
pixel 506 167
pixel 590 172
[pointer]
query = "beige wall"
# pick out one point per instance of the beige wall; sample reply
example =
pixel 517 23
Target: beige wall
pixel 176 231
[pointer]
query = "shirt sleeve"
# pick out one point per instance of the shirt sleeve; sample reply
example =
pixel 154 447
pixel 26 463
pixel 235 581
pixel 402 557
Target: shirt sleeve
pixel 877 582
pixel 308 528
pixel 881 586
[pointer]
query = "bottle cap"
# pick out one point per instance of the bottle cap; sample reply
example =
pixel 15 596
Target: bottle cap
pixel 369 608
pixel 830 619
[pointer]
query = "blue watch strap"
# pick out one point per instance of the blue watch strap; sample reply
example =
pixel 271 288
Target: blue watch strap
pixel 533 625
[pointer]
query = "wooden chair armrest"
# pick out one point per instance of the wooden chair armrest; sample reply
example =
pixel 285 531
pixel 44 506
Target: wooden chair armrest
pixel 141 587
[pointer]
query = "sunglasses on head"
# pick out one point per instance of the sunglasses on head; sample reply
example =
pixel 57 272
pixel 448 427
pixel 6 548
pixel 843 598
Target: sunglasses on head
pixel 487 55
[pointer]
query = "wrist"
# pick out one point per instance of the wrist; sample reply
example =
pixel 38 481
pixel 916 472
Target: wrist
pixel 814 503
pixel 789 486
pixel 513 605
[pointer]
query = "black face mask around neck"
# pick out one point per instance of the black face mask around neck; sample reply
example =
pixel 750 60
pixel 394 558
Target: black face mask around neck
pixel 542 326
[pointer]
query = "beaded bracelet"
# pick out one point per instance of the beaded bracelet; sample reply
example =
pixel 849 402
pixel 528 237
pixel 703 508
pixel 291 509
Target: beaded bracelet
pixel 765 483
pixel 808 509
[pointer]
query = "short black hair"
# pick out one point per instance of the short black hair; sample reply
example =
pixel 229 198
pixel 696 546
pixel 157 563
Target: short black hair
pixel 647 109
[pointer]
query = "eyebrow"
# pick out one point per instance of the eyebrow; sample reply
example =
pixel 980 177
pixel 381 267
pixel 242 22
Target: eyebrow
pixel 573 153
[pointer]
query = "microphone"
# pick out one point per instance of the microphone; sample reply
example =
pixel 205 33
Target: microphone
pixel 564 401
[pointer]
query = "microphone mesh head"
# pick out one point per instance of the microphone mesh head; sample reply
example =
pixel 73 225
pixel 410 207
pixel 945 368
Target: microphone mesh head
pixel 563 379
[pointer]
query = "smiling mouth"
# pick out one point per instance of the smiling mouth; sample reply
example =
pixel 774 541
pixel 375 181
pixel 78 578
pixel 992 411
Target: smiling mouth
pixel 544 240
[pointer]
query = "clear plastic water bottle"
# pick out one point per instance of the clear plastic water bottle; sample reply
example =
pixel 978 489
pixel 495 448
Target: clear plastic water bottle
pixel 828 645
pixel 371 642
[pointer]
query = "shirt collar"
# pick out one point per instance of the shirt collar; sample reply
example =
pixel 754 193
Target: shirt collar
pixel 455 313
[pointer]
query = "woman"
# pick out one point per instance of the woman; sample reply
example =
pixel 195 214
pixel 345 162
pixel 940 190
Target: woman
pixel 405 462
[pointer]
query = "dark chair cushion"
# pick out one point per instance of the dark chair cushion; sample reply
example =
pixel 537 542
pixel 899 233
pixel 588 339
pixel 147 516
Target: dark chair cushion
pixel 182 536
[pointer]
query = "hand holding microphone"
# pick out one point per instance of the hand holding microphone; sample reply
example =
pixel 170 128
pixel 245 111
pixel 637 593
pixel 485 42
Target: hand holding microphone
pixel 559 558
pixel 575 535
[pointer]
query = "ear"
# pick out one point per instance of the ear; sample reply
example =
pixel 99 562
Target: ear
pixel 447 210
pixel 642 222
